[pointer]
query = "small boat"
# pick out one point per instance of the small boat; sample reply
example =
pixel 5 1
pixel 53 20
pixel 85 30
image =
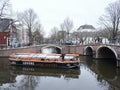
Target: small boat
pixel 45 60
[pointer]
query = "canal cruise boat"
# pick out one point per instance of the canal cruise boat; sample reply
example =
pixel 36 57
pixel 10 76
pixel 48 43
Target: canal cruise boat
pixel 45 60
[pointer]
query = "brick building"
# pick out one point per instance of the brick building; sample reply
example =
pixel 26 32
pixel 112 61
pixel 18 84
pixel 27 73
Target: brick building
pixel 8 33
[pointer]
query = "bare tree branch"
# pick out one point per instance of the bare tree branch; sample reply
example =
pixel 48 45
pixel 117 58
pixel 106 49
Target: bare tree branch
pixel 111 20
pixel 4 7
pixel 67 26
pixel 30 22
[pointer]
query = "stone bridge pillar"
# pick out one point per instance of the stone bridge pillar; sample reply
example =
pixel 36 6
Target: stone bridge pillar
pixel 118 63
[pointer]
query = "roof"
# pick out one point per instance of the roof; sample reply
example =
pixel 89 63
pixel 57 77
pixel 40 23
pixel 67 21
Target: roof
pixel 4 24
pixel 86 27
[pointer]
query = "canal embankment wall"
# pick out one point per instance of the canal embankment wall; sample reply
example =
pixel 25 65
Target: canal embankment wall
pixel 7 52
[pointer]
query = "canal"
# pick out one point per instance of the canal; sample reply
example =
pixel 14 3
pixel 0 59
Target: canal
pixel 92 75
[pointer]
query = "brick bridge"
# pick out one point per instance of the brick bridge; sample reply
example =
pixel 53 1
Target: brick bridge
pixel 98 50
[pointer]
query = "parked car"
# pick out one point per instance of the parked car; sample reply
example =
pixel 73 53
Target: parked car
pixel 67 43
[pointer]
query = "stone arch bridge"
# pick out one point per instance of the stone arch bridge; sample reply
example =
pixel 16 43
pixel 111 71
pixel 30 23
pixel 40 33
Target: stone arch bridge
pixel 98 50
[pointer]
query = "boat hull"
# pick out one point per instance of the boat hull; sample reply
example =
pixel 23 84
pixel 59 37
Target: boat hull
pixel 45 64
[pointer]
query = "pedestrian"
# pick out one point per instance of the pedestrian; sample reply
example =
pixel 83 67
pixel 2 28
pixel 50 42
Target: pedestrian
pixel 62 56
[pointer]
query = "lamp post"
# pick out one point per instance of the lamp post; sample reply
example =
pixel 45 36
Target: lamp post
pixel 75 38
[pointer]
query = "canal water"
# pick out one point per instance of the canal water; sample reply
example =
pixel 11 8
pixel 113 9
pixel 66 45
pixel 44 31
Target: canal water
pixel 92 75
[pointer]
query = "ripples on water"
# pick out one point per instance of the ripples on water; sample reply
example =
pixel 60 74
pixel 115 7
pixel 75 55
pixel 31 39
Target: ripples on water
pixel 92 75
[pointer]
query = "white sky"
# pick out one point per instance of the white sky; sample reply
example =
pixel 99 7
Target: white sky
pixel 53 12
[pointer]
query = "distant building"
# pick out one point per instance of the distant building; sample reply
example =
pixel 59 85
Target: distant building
pixel 8 33
pixel 86 34
pixel 86 28
pixel 62 36
pixel 23 37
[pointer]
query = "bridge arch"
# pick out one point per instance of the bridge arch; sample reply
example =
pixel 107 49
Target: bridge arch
pixel 88 50
pixel 51 49
pixel 107 52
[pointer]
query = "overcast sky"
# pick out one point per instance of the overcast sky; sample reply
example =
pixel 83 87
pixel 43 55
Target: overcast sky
pixel 53 12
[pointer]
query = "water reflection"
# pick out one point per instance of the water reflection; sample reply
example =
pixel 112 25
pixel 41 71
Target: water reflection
pixel 105 72
pixel 5 75
pixel 92 75
pixel 67 73
pixel 27 78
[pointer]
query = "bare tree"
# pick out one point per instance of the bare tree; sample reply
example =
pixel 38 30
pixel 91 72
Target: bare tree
pixel 67 26
pixel 63 32
pixel 111 20
pixel 54 32
pixel 38 35
pixel 30 22
pixel 4 7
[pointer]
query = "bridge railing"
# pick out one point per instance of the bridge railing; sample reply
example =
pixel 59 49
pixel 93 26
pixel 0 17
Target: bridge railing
pixel 116 43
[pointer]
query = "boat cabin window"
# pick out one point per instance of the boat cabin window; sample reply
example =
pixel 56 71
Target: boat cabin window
pixel 52 57
pixel 69 57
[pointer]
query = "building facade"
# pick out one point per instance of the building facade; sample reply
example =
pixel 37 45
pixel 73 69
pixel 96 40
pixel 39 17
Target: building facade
pixel 8 33
pixel 86 34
